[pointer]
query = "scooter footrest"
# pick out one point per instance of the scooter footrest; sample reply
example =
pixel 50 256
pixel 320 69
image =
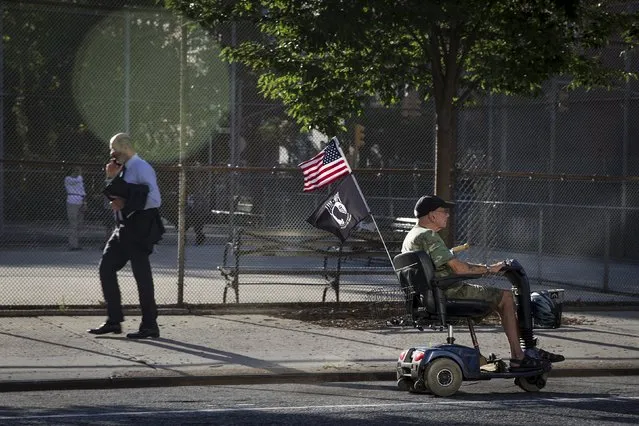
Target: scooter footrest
pixel 497 366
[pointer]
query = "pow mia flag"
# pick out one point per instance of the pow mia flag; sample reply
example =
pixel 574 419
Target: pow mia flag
pixel 342 210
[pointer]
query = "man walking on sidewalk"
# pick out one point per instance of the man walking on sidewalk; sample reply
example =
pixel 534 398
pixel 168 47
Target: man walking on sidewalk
pixel 135 199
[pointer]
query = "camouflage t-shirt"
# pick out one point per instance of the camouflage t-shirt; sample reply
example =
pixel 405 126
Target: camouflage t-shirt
pixel 428 240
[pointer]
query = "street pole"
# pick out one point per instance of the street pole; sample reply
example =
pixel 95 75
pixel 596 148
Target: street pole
pixel 127 71
pixel 233 135
pixel 1 121
pixel 181 169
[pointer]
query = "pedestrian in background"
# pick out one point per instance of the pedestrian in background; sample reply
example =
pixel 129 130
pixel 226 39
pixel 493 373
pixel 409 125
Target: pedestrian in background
pixel 197 208
pixel 135 199
pixel 76 205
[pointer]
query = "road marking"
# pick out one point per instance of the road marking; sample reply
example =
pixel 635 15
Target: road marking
pixel 433 402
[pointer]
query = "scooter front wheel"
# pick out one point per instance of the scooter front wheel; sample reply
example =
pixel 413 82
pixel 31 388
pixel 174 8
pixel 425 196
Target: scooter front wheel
pixel 443 377
pixel 533 383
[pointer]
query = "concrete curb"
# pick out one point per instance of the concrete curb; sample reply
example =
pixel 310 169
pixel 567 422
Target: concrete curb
pixel 252 379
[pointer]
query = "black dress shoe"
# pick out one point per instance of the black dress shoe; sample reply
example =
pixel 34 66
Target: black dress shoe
pixel 107 327
pixel 144 333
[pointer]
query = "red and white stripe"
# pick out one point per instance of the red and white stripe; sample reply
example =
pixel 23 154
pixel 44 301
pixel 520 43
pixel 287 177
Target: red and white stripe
pixel 317 174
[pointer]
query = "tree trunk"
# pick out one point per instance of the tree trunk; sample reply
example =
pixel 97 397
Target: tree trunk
pixel 445 155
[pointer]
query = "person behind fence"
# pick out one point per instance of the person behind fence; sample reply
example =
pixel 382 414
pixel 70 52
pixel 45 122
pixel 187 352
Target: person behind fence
pixel 195 217
pixel 432 216
pixel 135 199
pixel 197 209
pixel 76 205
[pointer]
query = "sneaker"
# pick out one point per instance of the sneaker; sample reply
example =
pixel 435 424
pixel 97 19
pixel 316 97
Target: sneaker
pixel 528 363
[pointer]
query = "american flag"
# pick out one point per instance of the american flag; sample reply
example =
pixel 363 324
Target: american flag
pixel 325 168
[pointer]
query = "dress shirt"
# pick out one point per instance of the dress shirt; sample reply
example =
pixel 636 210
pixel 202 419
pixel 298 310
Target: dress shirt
pixel 138 171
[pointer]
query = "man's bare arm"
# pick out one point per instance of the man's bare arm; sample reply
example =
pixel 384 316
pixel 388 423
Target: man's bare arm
pixel 460 267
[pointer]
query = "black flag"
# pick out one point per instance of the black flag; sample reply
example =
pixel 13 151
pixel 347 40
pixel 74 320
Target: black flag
pixel 343 209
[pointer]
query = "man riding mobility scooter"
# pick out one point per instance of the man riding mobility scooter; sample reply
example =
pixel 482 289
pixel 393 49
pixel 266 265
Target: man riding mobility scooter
pixel 440 369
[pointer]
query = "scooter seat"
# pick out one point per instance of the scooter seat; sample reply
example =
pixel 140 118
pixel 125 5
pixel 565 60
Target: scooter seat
pixel 467 308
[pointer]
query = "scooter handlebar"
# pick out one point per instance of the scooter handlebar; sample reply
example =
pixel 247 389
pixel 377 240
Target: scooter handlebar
pixel 511 265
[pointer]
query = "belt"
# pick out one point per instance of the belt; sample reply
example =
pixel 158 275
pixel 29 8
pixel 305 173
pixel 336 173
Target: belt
pixel 146 212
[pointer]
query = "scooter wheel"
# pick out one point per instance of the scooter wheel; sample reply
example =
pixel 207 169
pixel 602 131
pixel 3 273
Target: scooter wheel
pixel 443 377
pixel 533 383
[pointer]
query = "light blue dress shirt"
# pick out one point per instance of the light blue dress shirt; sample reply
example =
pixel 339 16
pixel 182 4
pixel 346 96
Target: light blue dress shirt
pixel 138 171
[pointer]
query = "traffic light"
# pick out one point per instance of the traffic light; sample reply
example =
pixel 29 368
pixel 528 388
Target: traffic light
pixel 359 135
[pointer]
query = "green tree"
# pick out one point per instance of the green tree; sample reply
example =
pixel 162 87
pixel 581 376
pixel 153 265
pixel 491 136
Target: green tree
pixel 325 58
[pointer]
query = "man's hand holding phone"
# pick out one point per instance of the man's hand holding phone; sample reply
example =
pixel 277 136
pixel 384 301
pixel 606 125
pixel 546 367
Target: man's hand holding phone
pixel 112 169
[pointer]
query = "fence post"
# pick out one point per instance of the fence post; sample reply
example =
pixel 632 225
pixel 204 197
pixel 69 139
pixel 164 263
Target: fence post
pixel 391 204
pixel 2 95
pixel 540 245
pixel 625 149
pixel 484 229
pixel 127 71
pixel 181 170
pixel 606 273
pixel 233 135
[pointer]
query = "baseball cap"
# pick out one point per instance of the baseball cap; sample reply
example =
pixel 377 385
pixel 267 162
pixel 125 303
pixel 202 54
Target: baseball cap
pixel 428 203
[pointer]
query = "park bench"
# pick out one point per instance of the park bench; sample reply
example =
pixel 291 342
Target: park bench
pixel 241 214
pixel 362 254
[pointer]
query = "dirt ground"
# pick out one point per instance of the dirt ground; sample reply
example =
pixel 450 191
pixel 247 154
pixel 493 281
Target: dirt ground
pixel 369 316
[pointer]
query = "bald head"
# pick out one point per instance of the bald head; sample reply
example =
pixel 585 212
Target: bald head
pixel 121 147
pixel 121 140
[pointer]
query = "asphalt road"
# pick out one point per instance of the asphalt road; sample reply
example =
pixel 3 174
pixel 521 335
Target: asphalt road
pixel 566 401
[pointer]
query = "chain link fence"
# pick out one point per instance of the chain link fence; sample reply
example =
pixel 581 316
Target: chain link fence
pixel 552 181
pixel 582 243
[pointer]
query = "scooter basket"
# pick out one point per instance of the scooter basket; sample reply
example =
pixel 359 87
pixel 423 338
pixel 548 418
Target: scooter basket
pixel 547 308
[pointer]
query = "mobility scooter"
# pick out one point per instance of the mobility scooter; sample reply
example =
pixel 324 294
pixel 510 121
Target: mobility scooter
pixel 440 369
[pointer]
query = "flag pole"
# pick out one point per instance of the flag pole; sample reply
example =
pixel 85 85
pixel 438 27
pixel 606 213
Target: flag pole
pixel 364 199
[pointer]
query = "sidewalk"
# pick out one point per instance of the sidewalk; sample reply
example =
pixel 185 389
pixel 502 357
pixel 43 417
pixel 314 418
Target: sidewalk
pixel 55 352
pixel 36 253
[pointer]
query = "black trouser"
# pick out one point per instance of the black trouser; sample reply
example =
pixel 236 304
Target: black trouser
pixel 119 249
